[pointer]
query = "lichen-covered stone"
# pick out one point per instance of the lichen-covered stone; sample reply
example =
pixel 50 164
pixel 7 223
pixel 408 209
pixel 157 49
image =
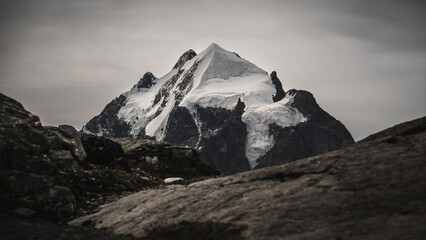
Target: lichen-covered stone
pixel 63 158
pixel 66 137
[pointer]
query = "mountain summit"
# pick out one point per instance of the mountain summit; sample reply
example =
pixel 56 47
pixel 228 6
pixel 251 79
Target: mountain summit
pixel 235 114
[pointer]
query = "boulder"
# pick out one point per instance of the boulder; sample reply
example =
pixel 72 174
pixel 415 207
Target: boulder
pixel 66 137
pixel 61 202
pixel 101 150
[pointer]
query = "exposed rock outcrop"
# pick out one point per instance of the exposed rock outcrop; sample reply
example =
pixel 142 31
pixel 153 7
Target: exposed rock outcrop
pixel 279 94
pixel 108 120
pixel 146 81
pixel 224 148
pixel 373 189
pixel 188 55
pixel 58 172
pixel 181 128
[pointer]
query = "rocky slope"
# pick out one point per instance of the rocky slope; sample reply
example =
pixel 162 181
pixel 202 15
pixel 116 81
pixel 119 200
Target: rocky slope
pixel 373 189
pixel 58 172
pixel 236 115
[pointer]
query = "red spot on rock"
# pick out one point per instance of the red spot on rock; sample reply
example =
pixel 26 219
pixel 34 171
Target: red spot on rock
pixel 35 118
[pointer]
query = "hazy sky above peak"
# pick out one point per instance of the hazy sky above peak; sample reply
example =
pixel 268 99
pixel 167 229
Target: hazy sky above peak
pixel 364 61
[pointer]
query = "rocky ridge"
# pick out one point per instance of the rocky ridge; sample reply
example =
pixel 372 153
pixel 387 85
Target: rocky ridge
pixel 58 172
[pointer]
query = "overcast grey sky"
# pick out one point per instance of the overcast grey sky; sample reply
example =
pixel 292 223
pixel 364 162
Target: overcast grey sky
pixel 364 61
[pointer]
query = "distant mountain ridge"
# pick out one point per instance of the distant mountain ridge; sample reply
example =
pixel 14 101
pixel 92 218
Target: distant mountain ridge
pixel 236 115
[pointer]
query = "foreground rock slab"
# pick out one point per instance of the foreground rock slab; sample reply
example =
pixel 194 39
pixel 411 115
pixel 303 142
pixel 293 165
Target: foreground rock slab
pixel 374 189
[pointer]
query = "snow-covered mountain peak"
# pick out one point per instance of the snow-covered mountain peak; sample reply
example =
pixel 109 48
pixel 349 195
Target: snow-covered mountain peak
pixel 214 45
pixel 216 101
pixel 222 77
pixel 215 78
pixel 222 64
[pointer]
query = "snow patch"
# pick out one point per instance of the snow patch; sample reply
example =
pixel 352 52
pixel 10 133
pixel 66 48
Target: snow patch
pixel 157 126
pixel 221 93
pixel 172 180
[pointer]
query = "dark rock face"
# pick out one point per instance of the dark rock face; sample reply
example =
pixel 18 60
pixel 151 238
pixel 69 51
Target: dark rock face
pixel 211 119
pixel 58 172
pixel 219 137
pixel 186 85
pixel 280 94
pixel 181 128
pixel 225 149
pixel 164 92
pixel 320 134
pixel 373 189
pixel 146 81
pixel 101 150
pixel 188 55
pixel 107 123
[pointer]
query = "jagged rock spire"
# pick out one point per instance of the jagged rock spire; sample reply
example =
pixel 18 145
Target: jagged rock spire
pixel 146 81
pixel 280 93
pixel 188 55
